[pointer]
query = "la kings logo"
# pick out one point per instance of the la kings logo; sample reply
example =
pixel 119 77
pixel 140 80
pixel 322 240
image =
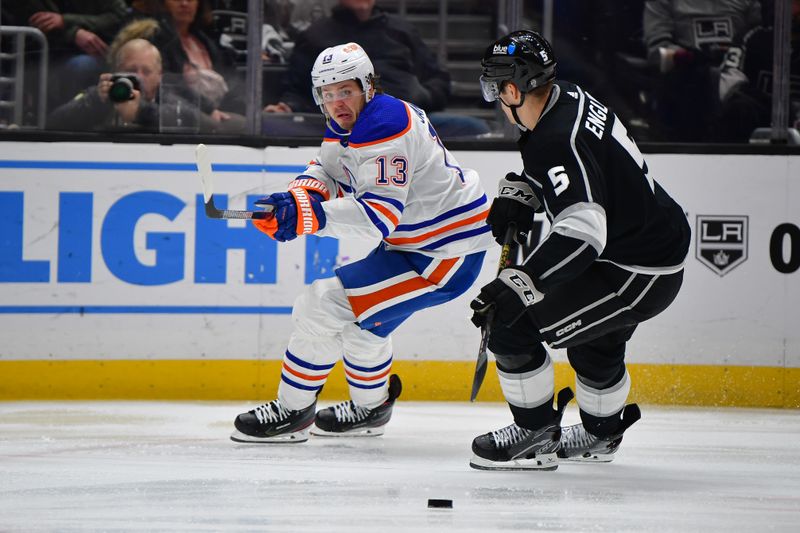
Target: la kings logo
pixel 721 242
pixel 709 31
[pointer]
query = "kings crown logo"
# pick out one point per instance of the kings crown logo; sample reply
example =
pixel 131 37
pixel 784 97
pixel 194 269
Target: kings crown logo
pixel 721 242
pixel 721 259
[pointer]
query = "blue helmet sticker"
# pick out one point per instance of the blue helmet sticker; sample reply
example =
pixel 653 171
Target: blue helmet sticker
pixel 511 48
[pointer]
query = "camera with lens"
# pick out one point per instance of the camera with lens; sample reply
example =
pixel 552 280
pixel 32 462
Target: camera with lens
pixel 122 87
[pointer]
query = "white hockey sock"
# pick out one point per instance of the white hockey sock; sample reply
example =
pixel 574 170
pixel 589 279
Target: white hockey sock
pixel 305 369
pixel 367 366
pixel 603 402
pixel 319 315
pixel 529 389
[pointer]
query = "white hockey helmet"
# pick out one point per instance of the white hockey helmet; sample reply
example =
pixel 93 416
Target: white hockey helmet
pixel 340 63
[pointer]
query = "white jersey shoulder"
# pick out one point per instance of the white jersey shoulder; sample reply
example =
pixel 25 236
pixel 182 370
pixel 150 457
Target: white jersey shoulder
pixel 393 179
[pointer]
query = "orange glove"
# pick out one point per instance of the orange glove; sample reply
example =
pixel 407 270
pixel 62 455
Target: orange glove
pixel 296 212
pixel 268 225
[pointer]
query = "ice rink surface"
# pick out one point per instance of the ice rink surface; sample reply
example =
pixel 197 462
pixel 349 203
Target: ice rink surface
pixel 169 466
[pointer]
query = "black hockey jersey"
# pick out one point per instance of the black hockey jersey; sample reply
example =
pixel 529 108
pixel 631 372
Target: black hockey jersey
pixel 594 184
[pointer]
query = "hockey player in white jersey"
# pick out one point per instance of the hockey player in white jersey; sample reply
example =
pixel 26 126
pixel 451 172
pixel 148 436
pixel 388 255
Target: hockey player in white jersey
pixel 381 174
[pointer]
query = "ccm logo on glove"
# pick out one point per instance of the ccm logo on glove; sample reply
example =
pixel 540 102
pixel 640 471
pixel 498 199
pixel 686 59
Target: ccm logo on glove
pixel 520 283
pixel 505 299
pixel 524 196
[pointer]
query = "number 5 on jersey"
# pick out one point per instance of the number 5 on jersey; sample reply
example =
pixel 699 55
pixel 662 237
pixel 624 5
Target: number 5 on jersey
pixel 399 175
pixel 559 179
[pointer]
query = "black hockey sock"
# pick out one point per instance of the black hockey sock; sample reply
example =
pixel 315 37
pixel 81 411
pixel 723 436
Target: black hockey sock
pixel 611 426
pixel 534 417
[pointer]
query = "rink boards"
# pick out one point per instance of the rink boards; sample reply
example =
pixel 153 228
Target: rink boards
pixel 113 284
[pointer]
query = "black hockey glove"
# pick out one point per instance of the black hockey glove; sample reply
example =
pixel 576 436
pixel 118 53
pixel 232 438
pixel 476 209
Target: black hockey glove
pixel 515 203
pixel 505 299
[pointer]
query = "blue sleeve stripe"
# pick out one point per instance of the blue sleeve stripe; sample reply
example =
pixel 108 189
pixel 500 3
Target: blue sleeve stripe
pixel 373 217
pixel 299 362
pixel 366 369
pixel 453 212
pixel 458 236
pixel 396 203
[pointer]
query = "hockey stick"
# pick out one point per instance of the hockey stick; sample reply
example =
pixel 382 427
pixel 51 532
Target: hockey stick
pixel 483 359
pixel 207 181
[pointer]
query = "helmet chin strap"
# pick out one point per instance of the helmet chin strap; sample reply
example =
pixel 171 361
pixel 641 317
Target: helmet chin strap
pixel 513 109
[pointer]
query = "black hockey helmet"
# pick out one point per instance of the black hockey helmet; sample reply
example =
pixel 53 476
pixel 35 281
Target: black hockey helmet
pixel 523 57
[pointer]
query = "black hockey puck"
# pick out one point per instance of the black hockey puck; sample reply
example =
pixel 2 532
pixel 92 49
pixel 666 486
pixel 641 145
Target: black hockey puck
pixel 440 504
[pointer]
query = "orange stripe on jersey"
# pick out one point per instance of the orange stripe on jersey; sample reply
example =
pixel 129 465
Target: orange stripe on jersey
pixel 386 139
pixel 373 378
pixel 364 302
pixel 385 210
pixel 440 271
pixel 425 236
pixel 303 376
pixel 359 304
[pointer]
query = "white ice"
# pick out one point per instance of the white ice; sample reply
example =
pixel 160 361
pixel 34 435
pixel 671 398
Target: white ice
pixel 158 466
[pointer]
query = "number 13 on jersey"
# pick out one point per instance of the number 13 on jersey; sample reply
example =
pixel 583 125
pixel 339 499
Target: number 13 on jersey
pixel 396 175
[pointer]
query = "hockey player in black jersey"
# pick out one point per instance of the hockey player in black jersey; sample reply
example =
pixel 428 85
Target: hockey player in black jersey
pixel 613 258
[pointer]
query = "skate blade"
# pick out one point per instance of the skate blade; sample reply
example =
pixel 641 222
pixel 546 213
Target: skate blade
pixel 545 462
pixel 593 458
pixel 291 438
pixel 360 432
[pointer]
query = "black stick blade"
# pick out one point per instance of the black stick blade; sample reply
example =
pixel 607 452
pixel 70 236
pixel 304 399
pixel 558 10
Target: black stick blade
pixel 480 364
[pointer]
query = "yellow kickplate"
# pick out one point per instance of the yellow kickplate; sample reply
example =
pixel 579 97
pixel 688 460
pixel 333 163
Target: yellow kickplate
pixel 701 385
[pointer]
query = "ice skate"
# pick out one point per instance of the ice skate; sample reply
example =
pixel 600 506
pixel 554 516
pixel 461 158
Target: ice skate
pixel 516 448
pixel 272 422
pixel 580 446
pixel 346 419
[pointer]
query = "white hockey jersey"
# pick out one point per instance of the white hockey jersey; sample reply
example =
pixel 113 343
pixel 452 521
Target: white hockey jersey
pixel 393 179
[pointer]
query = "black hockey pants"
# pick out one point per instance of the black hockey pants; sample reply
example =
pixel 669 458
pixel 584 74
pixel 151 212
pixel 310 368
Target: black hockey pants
pixel 592 316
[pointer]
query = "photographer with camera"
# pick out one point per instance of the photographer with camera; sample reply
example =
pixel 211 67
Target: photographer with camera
pixel 132 98
pixel 126 90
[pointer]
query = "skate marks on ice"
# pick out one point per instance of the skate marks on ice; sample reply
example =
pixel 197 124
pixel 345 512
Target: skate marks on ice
pixel 169 465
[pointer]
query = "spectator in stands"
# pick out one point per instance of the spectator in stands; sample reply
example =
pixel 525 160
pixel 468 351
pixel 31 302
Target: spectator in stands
pixel 143 9
pixel 78 34
pixel 209 86
pixel 230 28
pixel 686 42
pixel 600 48
pixel 304 13
pixel 745 85
pixel 188 50
pixel 406 67
pixel 148 107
